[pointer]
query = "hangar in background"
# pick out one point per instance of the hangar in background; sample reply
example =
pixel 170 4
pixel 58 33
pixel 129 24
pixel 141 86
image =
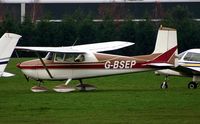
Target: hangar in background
pixel 119 9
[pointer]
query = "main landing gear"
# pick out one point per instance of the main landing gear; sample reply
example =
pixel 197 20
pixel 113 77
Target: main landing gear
pixel 80 87
pixel 164 84
pixel 85 87
pixel 39 88
pixel 191 85
pixel 64 88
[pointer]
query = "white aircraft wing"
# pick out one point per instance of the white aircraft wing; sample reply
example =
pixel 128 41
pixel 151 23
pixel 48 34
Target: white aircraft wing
pixel 50 49
pixel 106 46
pixel 95 47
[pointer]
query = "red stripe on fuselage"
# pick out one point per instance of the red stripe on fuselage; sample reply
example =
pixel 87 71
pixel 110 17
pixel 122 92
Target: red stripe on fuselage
pixel 76 66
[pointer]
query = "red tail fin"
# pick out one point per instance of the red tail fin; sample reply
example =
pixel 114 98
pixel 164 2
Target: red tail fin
pixel 167 57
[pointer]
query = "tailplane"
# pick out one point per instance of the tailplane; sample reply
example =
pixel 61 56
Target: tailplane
pixel 7 45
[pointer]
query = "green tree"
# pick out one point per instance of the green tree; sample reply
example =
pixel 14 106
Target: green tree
pixel 145 37
pixel 87 31
pixel 45 33
pixel 181 19
pixel 107 30
pixel 9 24
pixel 127 32
pixel 27 30
pixel 66 32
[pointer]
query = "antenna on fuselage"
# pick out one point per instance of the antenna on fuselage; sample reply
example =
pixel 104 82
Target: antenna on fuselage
pixel 75 42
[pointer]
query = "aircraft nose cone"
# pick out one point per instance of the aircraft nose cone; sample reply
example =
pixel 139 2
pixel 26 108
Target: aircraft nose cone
pixel 18 65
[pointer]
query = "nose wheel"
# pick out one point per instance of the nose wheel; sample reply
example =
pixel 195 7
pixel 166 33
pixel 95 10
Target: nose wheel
pixel 164 84
pixel 192 85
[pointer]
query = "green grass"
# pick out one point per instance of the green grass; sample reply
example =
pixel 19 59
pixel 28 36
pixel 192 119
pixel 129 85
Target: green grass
pixel 123 99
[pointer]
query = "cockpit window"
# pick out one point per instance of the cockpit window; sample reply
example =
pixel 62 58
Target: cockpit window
pixel 49 56
pixel 181 55
pixel 192 56
pixel 72 57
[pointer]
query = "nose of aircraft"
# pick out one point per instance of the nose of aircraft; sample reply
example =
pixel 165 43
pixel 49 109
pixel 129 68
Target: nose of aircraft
pixel 18 65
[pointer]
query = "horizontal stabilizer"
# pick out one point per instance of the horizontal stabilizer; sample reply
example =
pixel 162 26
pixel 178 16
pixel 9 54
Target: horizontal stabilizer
pixel 160 64
pixel 95 47
pixel 6 74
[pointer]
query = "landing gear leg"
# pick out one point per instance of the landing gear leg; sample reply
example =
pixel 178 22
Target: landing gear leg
pixel 85 87
pixel 39 88
pixel 164 84
pixel 82 86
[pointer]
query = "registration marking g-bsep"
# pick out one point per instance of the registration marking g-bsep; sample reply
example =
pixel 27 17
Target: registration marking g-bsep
pixel 128 64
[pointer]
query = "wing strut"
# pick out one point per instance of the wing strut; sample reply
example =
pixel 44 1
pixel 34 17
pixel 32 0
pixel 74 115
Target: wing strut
pixel 44 65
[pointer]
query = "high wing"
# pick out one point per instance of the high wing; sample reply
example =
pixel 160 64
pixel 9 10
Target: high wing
pixel 95 47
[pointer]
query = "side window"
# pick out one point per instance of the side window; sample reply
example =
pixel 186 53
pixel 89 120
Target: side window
pixel 80 58
pixel 68 58
pixel 195 57
pixel 192 56
pixel 188 56
pixel 59 57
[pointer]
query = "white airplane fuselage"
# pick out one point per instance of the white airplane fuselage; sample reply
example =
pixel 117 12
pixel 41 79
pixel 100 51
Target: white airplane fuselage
pixel 95 66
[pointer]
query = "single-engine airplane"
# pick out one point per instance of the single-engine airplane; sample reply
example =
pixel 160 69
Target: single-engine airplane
pixel 188 66
pixel 7 45
pixel 84 61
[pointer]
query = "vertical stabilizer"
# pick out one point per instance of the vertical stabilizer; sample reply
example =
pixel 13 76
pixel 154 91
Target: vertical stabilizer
pixel 7 44
pixel 166 39
pixel 166 42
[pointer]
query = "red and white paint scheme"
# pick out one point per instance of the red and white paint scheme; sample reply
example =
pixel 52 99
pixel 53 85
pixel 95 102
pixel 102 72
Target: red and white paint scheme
pixel 7 45
pixel 188 66
pixel 86 61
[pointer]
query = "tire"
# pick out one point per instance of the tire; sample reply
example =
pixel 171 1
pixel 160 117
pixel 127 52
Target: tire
pixel 192 85
pixel 164 85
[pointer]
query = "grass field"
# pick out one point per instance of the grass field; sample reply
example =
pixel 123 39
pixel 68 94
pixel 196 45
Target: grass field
pixel 126 99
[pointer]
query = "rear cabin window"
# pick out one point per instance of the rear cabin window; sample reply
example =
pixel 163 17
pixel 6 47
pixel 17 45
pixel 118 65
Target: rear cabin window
pixel 68 58
pixel 192 56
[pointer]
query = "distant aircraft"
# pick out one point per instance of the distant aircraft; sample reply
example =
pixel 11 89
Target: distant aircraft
pixel 7 45
pixel 84 61
pixel 188 66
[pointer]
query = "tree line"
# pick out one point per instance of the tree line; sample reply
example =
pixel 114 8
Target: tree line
pixel 81 29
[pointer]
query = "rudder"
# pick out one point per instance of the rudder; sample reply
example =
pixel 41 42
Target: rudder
pixel 7 45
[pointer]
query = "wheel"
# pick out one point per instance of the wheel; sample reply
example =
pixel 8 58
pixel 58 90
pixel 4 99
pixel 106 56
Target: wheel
pixel 164 85
pixel 85 87
pixel 192 85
